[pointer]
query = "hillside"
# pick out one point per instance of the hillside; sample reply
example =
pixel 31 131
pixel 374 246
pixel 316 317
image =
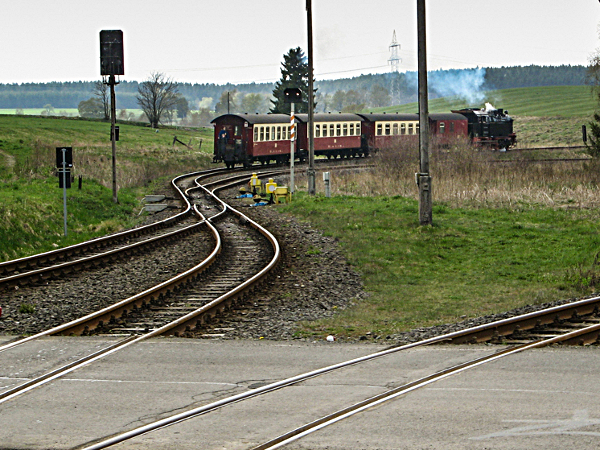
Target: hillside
pixel 542 101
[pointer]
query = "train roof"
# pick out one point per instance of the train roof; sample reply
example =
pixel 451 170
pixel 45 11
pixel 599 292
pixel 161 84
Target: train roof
pixel 331 117
pixel 382 117
pixel 256 118
pixel 447 116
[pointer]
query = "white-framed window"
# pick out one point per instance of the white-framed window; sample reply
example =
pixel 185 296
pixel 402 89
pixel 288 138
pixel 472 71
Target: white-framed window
pixel 395 128
pixel 279 133
pixel 345 129
pixel 410 128
pixel 388 128
pixel 379 131
pixel 262 134
pixel 255 134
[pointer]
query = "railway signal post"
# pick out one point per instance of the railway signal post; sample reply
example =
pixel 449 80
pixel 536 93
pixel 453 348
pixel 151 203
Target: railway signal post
pixel 111 64
pixel 292 96
pixel 64 162
pixel 423 178
pixel 311 106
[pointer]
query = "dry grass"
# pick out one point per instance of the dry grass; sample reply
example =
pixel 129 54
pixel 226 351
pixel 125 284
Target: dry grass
pixel 464 176
pixel 134 168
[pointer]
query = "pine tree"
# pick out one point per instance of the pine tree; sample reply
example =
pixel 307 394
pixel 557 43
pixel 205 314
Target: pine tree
pixel 593 144
pixel 294 74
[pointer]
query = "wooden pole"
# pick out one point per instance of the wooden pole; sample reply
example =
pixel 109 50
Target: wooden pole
pixel 423 177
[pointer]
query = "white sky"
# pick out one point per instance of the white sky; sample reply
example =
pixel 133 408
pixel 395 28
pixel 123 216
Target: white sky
pixel 239 41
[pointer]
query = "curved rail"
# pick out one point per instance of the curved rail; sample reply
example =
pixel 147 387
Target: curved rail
pixel 174 327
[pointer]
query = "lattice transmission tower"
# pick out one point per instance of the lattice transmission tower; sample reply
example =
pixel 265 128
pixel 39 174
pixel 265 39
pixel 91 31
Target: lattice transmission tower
pixel 394 62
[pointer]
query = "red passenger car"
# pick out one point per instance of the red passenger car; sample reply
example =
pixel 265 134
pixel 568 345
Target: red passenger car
pixel 246 138
pixel 448 126
pixel 335 135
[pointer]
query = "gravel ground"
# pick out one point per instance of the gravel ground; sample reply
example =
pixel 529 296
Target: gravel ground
pixel 33 309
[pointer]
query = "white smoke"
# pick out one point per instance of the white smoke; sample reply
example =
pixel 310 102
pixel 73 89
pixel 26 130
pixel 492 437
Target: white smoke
pixel 465 84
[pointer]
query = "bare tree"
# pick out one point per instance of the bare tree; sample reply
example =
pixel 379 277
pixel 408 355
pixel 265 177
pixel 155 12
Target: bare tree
pixel 102 92
pixel 156 96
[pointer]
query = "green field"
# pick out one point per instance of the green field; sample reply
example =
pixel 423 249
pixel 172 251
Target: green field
pixel 547 101
pixel 66 112
pixel 471 262
pixel 31 203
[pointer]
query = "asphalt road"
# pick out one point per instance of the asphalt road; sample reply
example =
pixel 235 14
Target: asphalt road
pixel 543 399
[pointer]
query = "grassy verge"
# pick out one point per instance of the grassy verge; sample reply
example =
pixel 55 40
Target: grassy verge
pixel 471 262
pixel 31 215
pixel 31 203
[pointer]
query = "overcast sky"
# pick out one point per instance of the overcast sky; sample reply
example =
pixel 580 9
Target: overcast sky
pixel 240 41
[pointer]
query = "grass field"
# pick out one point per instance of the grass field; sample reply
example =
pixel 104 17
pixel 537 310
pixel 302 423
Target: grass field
pixel 471 262
pixel 31 203
pixel 546 101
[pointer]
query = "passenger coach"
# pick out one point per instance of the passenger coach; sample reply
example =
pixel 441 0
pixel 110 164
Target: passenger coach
pixel 247 138
pixel 335 135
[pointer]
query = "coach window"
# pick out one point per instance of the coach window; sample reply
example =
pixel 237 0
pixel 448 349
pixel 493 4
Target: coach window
pixel 267 133
pixel 442 127
pixel 345 129
pixel 317 130
pixel 273 133
pixel 279 133
pixel 387 129
pixel 403 128
pixel 255 134
pixel 395 129
pixel 410 128
pixel 324 130
pixel 379 129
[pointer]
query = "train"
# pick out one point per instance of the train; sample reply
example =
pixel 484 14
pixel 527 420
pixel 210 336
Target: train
pixel 264 138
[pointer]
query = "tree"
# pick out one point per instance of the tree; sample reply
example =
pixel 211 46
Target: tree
pixel 91 109
pixel 593 144
pixel 294 74
pixel 226 103
pixel 182 106
pixel 157 95
pixel 593 79
pixel 379 96
pixel 102 93
pixel 254 103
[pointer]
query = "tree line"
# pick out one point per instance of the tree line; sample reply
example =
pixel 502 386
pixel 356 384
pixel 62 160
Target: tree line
pixel 69 94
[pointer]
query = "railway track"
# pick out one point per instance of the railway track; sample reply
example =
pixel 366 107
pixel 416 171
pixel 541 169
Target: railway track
pixel 183 302
pixel 587 333
pixel 111 248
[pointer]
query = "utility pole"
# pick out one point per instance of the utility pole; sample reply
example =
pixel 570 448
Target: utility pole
pixel 423 177
pixel 311 114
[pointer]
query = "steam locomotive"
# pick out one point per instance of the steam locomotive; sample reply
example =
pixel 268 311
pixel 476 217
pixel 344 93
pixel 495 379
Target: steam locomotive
pixel 249 138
